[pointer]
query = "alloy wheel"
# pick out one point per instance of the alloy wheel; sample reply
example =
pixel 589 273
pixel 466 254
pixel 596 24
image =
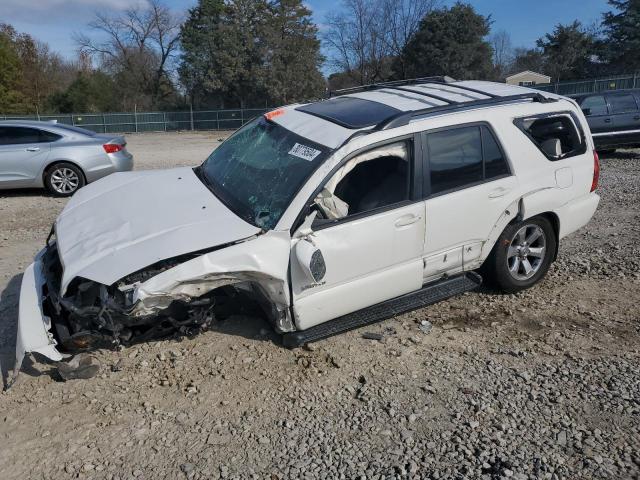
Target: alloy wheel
pixel 526 252
pixel 64 180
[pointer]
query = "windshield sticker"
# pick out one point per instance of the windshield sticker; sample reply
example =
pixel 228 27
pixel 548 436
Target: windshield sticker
pixel 304 152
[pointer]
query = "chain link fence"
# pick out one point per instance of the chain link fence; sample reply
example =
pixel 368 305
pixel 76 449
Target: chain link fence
pixel 617 82
pixel 151 121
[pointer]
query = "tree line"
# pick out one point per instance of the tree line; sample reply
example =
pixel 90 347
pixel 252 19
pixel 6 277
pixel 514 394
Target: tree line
pixel 260 53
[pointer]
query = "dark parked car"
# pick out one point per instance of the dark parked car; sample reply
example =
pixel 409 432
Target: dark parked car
pixel 613 117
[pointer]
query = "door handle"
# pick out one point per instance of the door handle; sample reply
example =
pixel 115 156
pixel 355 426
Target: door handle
pixel 499 192
pixel 607 120
pixel 637 117
pixel 33 149
pixel 407 220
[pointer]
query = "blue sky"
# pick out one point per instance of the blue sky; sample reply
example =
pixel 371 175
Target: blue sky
pixel 54 21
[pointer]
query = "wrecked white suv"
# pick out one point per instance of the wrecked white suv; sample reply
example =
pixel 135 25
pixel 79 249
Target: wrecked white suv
pixel 328 215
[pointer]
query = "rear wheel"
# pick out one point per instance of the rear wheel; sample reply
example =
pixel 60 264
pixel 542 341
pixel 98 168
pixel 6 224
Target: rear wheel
pixel 523 254
pixel 63 179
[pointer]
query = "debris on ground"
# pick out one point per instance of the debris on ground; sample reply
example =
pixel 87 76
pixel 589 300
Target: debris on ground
pixel 373 336
pixel 425 326
pixel 81 366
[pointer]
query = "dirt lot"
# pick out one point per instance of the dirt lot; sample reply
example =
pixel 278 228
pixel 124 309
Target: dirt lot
pixel 545 384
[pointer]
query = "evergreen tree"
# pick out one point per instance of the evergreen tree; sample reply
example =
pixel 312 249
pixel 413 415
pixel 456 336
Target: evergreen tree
pixel 250 53
pixel 293 55
pixel 568 52
pixel 621 47
pixel 450 41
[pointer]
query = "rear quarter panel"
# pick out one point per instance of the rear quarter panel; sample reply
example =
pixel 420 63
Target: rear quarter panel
pixel 88 155
pixel 546 185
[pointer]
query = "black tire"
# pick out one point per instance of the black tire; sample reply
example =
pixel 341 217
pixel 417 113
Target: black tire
pixel 505 266
pixel 63 179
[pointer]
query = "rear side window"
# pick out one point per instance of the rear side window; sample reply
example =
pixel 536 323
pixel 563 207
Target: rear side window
pixel 595 105
pixel 623 103
pixel 462 157
pixel 23 135
pixel 556 136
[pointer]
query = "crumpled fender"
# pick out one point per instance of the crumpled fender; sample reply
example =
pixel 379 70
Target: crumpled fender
pixel 263 259
pixel 33 325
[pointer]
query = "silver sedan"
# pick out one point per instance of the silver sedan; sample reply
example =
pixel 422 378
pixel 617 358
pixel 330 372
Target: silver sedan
pixel 59 157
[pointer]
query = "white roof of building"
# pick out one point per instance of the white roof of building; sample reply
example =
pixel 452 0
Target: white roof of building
pixel 529 73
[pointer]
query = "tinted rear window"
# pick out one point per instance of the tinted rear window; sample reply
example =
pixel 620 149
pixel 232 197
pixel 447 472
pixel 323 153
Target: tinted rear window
pixel 350 112
pixel 623 103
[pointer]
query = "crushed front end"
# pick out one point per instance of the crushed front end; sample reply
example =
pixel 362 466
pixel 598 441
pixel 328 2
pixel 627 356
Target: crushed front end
pixel 91 315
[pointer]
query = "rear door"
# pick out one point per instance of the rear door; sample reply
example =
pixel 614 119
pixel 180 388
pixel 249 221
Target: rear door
pixel 468 185
pixel 624 109
pixel 23 151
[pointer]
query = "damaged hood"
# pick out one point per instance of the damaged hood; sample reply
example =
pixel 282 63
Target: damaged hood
pixel 128 221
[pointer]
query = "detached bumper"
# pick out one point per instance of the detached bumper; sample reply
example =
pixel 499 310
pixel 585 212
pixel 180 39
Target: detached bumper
pixel 33 325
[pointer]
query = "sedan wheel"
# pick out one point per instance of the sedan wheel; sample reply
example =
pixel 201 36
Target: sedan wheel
pixel 64 179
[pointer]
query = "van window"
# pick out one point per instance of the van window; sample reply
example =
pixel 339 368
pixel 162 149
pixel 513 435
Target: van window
pixel 595 105
pixel 463 156
pixel 556 136
pixel 623 103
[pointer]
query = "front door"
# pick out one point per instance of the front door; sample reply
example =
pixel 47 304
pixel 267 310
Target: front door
pixel 372 246
pixel 22 154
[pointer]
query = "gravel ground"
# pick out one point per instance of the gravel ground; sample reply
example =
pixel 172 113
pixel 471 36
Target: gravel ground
pixel 544 384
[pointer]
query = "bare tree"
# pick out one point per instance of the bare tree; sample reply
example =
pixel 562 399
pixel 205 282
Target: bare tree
pixel 402 20
pixel 503 53
pixel 366 35
pixel 139 49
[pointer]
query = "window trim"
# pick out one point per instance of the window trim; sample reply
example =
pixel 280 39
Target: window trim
pixel 426 189
pixel 518 122
pixel 415 173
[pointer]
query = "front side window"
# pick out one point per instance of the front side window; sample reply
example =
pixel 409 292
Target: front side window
pixel 24 135
pixel 623 103
pixel 595 105
pixel 371 180
pixel 259 169
pixel 556 135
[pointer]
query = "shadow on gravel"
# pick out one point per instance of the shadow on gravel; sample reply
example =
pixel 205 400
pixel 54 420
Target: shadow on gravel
pixel 8 325
pixel 619 154
pixel 25 192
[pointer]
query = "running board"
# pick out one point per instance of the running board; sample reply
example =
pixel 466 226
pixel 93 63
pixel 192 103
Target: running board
pixel 427 295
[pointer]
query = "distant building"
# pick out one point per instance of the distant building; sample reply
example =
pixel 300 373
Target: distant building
pixel 528 79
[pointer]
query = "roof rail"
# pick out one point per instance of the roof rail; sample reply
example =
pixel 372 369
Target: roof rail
pixel 404 118
pixel 392 83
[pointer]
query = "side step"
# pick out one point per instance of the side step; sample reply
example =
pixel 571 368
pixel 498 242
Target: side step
pixel 427 295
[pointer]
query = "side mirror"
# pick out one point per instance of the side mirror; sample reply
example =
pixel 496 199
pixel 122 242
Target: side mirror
pixel 310 260
pixel 586 111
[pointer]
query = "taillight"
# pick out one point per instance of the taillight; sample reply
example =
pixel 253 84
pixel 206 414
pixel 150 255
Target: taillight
pixel 112 147
pixel 596 171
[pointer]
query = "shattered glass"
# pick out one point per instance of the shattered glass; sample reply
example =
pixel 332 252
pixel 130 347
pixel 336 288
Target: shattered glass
pixel 258 170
